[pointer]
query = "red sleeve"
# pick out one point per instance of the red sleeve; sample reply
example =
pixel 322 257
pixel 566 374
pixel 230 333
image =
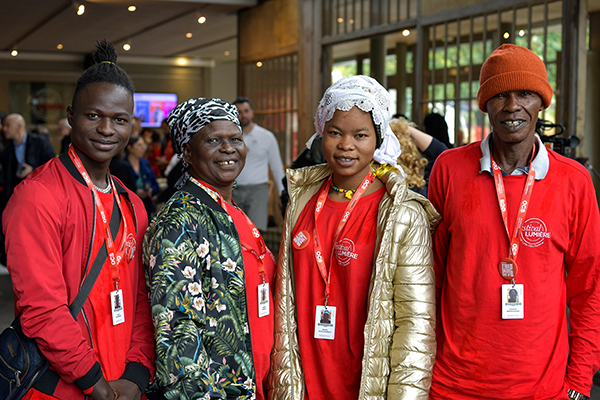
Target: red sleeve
pixel 33 225
pixel 582 261
pixel 142 343
pixel 441 237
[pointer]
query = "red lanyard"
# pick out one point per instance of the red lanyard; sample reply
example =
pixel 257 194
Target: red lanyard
pixel 262 271
pixel 524 204
pixel 114 255
pixel 326 275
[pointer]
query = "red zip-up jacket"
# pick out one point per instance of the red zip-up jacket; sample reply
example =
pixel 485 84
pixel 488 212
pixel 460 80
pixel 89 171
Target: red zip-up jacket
pixel 49 225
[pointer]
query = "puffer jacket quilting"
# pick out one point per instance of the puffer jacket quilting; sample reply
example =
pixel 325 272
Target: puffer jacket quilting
pixel 399 349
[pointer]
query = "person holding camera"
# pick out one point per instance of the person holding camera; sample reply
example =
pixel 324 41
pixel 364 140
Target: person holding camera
pixel 518 244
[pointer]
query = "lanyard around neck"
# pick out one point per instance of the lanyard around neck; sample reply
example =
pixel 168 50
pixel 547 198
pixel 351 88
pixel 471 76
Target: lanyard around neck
pixel 115 255
pixel 523 205
pixel 326 274
pixel 262 271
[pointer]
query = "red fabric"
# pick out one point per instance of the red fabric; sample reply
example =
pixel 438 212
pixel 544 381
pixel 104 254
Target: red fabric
pixel 261 329
pixel 49 220
pixel 332 368
pixel 112 341
pixel 479 355
pixel 158 152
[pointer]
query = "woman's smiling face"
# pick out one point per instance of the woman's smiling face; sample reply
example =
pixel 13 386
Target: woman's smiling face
pixel 349 141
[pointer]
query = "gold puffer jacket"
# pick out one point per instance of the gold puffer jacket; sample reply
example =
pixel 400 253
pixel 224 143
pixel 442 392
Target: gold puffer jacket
pixel 399 349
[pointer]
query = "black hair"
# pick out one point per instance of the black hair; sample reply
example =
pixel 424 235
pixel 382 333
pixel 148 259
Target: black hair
pixel 378 133
pixel 241 100
pixel 436 126
pixel 3 115
pixel 105 70
pixel 133 139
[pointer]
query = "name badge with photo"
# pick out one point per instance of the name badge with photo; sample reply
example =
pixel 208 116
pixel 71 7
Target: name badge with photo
pixel 116 306
pixel 513 302
pixel 263 300
pixel 325 323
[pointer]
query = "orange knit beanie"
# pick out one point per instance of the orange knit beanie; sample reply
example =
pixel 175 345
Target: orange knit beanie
pixel 512 67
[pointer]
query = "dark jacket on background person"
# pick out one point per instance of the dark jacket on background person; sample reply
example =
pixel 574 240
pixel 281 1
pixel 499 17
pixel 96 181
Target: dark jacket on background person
pixel 38 151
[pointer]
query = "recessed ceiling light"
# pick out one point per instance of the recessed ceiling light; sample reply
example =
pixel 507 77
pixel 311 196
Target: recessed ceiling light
pixel 14 53
pixel 227 53
pixel 182 61
pixel 59 46
pixel 131 8
pixel 506 35
pixel 340 20
pixel 351 21
pixel 521 33
pixel 126 47
pixel 405 32
pixel 80 9
pixel 202 19
pixel 259 64
pixel 189 35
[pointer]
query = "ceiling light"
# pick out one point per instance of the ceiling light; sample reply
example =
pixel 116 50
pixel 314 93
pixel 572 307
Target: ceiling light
pixel 189 35
pixel 59 46
pixel 126 47
pixel 521 33
pixel 405 32
pixel 340 20
pixel 131 8
pixel 14 53
pixel 259 64
pixel 227 53
pixel 506 35
pixel 80 9
pixel 202 19
pixel 351 21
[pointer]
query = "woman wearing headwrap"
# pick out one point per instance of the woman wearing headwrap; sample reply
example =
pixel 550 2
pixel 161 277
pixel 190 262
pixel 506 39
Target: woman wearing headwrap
pixel 208 267
pixel 354 297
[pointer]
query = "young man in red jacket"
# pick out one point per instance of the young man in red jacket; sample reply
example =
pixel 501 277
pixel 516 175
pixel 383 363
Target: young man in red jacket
pixel 518 244
pixel 56 223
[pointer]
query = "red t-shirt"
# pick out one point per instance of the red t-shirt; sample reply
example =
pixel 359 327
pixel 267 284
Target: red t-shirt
pixel 111 342
pixel 261 329
pixel 332 368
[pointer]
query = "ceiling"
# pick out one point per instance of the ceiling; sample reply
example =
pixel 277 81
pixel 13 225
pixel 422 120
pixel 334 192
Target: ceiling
pixel 157 28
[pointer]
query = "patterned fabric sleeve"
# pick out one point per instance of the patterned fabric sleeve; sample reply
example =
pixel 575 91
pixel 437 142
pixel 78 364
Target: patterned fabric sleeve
pixel 190 308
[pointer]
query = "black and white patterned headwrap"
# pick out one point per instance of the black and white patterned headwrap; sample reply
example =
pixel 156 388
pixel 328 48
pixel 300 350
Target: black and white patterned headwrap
pixel 188 118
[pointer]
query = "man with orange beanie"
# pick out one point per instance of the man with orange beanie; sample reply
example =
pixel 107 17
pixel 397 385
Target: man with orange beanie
pixel 518 244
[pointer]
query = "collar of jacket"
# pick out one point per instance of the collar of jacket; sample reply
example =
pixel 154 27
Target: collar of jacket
pixel 199 193
pixel 309 179
pixel 68 163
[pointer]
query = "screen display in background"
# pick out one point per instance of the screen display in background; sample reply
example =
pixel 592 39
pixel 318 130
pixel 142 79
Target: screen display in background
pixel 152 108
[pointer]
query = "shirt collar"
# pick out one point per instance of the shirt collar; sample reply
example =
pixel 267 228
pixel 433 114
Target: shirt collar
pixel 541 162
pixel 23 143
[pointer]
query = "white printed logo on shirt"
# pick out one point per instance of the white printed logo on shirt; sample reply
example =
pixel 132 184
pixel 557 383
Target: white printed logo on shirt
pixel 534 232
pixel 344 252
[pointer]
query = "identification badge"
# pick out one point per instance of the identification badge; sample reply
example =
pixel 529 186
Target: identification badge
pixel 116 305
pixel 512 302
pixel 325 323
pixel 263 300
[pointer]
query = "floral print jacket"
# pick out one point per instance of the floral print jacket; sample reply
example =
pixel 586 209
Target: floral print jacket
pixel 195 275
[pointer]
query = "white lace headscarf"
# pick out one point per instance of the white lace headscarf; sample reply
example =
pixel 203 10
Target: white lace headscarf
pixel 368 95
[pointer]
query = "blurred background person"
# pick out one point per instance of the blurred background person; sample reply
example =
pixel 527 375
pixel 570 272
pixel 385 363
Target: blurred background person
pixel 411 160
pixel 252 190
pixel 145 181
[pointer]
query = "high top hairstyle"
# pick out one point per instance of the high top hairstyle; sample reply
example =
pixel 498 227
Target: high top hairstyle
pixel 105 70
